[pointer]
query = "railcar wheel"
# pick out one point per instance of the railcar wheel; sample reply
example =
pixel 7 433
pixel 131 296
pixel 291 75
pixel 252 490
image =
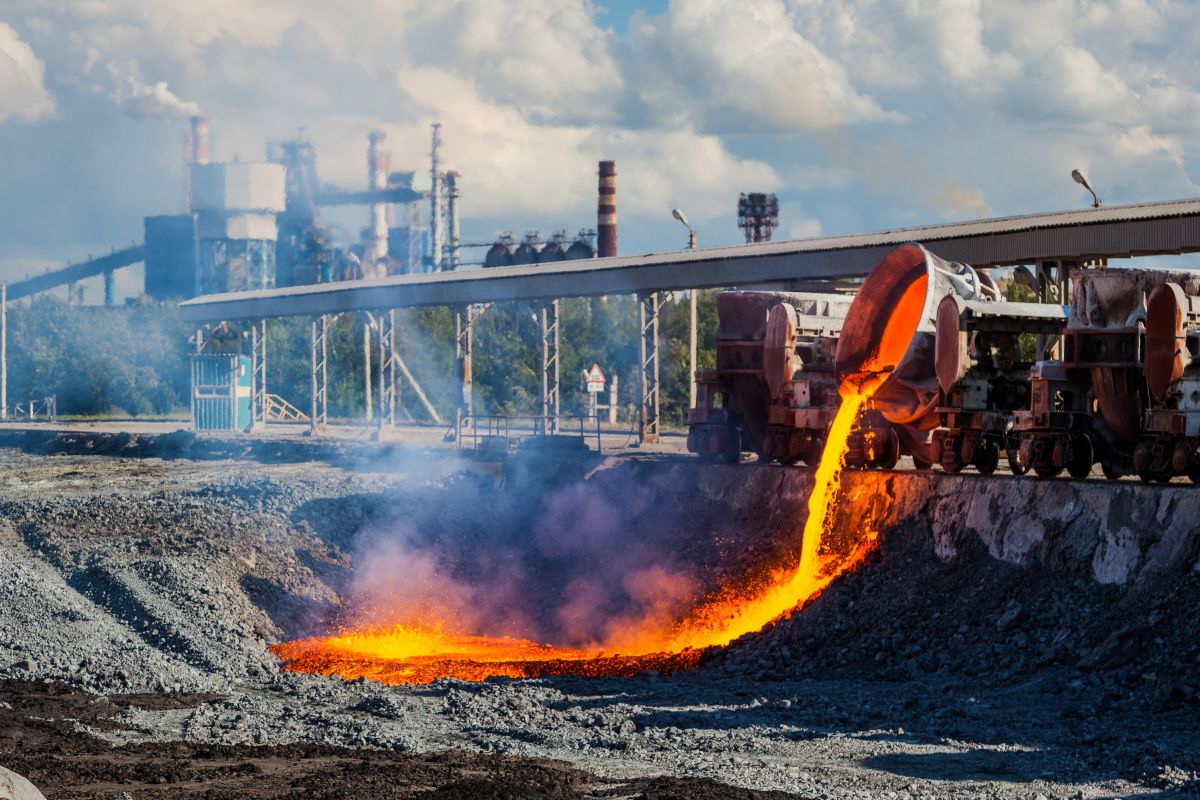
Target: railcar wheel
pixel 921 464
pixel 1082 457
pixel 1113 469
pixel 732 452
pixel 951 465
pixel 988 457
pixel 891 451
pixel 1014 461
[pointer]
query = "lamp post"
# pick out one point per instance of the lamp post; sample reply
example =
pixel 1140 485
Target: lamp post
pixel 679 215
pixel 1082 181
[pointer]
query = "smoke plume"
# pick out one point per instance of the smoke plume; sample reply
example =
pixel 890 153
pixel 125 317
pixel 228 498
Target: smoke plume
pixel 148 101
pixel 555 566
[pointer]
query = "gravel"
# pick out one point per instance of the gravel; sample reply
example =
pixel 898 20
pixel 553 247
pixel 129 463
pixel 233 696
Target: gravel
pixel 1001 643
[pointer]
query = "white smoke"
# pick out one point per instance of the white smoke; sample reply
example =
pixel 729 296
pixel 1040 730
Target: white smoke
pixel 143 101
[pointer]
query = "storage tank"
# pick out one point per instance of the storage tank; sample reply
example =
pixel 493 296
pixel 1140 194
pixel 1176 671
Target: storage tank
pixel 527 251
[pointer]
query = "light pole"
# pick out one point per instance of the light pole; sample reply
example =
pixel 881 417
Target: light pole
pixel 1082 181
pixel 679 215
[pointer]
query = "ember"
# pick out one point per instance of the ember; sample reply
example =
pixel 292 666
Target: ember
pixel 407 654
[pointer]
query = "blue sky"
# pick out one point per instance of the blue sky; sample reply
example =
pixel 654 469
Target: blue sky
pixel 859 114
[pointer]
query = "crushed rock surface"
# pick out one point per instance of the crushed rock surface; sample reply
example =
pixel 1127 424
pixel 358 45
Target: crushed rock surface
pixel 152 588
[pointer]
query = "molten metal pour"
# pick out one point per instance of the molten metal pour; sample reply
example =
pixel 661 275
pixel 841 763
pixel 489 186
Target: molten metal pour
pixel 405 654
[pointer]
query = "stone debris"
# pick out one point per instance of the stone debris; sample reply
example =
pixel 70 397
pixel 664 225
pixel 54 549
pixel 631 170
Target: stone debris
pixel 985 650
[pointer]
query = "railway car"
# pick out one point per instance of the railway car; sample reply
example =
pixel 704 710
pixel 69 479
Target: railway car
pixel 985 377
pixel 772 391
pixel 1168 444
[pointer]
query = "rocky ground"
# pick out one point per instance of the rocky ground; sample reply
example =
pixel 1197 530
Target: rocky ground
pixel 1009 639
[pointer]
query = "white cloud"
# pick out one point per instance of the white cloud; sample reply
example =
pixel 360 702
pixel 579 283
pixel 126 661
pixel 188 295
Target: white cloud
pixel 23 93
pixel 733 67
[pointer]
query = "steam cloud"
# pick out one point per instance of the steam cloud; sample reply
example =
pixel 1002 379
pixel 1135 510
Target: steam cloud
pixel 558 568
pixel 142 101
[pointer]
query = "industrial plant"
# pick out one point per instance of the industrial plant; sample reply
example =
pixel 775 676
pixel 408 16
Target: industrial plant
pixel 390 508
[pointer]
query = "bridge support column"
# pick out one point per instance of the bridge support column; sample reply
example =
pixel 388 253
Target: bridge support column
pixel 464 324
pixel 258 372
pixel 648 308
pixel 110 289
pixel 550 368
pixel 318 338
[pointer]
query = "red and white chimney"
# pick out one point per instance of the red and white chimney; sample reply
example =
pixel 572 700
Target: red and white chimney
pixel 606 210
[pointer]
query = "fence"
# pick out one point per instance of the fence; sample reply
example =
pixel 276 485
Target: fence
pixel 44 409
pixel 507 431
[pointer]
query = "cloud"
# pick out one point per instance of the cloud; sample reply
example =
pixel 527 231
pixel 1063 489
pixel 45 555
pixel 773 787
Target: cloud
pixel 864 113
pixel 23 93
pixel 748 66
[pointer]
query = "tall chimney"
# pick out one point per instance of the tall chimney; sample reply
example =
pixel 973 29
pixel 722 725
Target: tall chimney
pixel 606 211
pixel 452 210
pixel 435 200
pixel 377 171
pixel 199 139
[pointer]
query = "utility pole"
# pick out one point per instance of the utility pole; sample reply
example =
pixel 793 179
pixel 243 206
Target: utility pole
pixel 692 334
pixel 679 215
pixel 4 350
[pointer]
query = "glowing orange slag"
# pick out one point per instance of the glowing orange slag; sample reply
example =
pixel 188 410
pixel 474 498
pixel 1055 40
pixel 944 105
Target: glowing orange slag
pixel 423 653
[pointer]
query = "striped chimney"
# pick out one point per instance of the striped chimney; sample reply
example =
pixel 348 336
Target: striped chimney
pixel 606 210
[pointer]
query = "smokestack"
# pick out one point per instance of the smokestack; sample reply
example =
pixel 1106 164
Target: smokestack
pixel 606 210
pixel 199 139
pixel 452 220
pixel 435 200
pixel 377 172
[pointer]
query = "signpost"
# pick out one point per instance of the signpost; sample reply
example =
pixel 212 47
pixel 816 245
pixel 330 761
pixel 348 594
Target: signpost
pixel 595 380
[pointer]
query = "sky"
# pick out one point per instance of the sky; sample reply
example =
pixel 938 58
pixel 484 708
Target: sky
pixel 860 115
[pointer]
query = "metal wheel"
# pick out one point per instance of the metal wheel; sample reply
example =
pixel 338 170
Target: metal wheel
pixel 1082 457
pixel 732 453
pixel 890 453
pixel 988 457
pixel 1112 468
pixel 951 465
pixel 1014 461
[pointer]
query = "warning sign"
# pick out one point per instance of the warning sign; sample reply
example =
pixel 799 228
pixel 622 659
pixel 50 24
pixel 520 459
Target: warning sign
pixel 595 379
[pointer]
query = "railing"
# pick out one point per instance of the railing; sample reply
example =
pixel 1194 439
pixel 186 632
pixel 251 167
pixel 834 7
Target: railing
pixel 280 410
pixel 45 409
pixel 504 432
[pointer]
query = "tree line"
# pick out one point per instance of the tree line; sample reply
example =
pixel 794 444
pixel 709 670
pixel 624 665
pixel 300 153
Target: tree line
pixel 134 359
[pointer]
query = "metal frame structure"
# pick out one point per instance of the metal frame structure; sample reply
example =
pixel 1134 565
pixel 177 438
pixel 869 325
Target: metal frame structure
pixel 550 368
pixel 318 339
pixel 464 325
pixel 386 331
pixel 1107 232
pixel 648 415
pixel 258 372
pixel 1044 240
